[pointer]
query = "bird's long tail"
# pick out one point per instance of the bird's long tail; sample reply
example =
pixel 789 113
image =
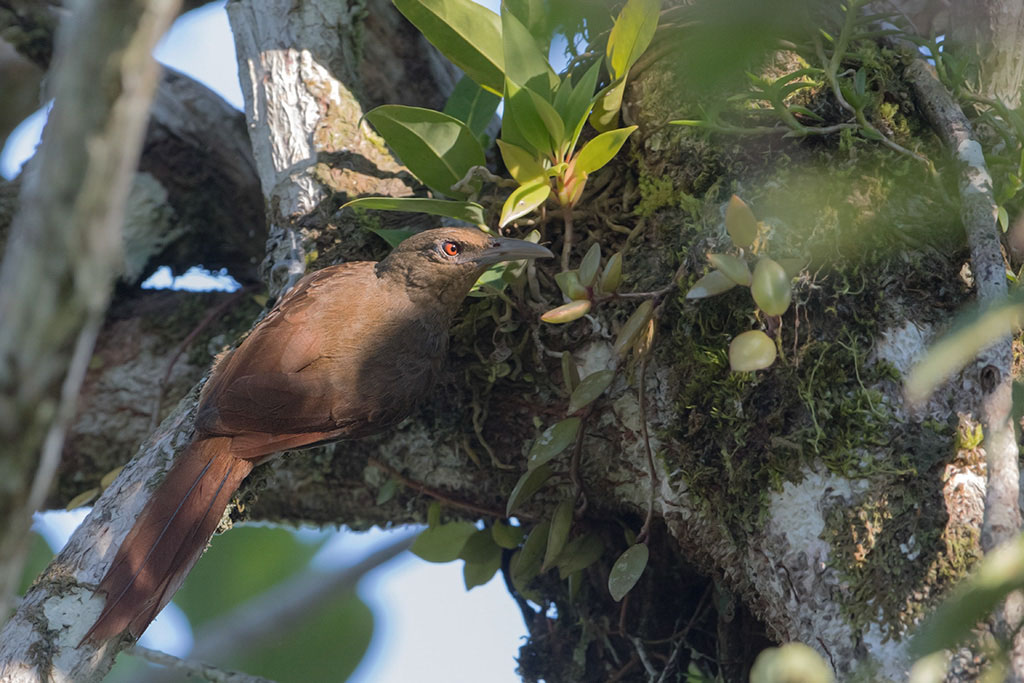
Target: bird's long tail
pixel 168 537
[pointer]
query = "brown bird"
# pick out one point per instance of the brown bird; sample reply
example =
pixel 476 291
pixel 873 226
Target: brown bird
pixel 348 352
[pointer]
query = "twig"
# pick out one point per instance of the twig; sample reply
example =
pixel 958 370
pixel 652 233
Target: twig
pixel 192 667
pixel 651 475
pixel 437 495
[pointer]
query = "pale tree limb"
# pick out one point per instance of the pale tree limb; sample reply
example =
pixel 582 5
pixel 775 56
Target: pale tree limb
pixel 65 247
pixel 192 667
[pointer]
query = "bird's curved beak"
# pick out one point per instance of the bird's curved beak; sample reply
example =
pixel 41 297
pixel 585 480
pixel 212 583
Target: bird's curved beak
pixel 508 249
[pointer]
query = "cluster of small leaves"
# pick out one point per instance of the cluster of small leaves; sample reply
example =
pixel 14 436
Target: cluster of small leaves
pixel 769 283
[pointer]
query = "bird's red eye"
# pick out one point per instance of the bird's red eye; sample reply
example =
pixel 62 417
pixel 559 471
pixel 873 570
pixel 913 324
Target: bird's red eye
pixel 451 248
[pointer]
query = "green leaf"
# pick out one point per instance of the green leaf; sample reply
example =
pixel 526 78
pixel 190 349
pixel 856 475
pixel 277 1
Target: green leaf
pixel 735 268
pixel 528 561
pixel 522 165
pixel 506 535
pixel 387 491
pixel 444 542
pixel 627 570
pixel 796 662
pixel 580 553
pixel 570 373
pixel 602 149
pixel 636 324
pixel 770 287
pixel 552 441
pixel 558 534
pixel 394 236
pixel 520 105
pixel 523 200
pixel 740 223
pixel 473 105
pixel 524 62
pixel 751 350
pixel 605 114
pixel 631 34
pixel 434 514
pixel 590 265
pixel 437 148
pixel 590 388
pixel 552 121
pixel 465 32
pixel 471 212
pixel 483 559
pixel 38 557
pixel 528 484
pixel 566 313
pixel 478 573
pixel 711 284
pixel 569 282
pixel 611 277
pixel 578 104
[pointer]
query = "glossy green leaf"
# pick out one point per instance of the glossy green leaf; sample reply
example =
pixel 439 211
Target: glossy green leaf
pixel 444 542
pixel 569 282
pixel 631 34
pixel 611 276
pixel 580 553
pixel 523 166
pixel 437 148
pixel 570 373
pixel 578 104
pixel 471 212
pixel 552 121
pixel 473 105
pixel 711 284
pixel 751 350
pixel 590 388
pixel 528 484
pixel 558 534
pixel 602 149
pixel 523 200
pixel 740 223
pixel 566 313
pixel 507 536
pixel 605 114
pixel 525 64
pixel 528 560
pixel 735 268
pixel 552 441
pixel 520 105
pixel 627 570
pixel 590 265
pixel 770 287
pixel 465 32
pixel 636 324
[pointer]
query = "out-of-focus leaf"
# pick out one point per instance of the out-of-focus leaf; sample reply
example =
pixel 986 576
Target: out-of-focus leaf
pixel 558 534
pixel 577 105
pixel 483 559
pixel 552 441
pixel 444 542
pixel 580 553
pixel 528 561
pixel 590 265
pixel 972 332
pixel 393 237
pixel 605 114
pixel 524 168
pixel 434 514
pixel 506 535
pixel 711 284
pixel 627 570
pixel 528 484
pixel 735 268
pixel 636 324
pixel 437 148
pixel 473 105
pixel 465 32
pixel 39 555
pixel 770 287
pixel 791 662
pixel 740 223
pixel 590 388
pixel 471 212
pixel 611 276
pixel 602 149
pixel 387 491
pixel 523 200
pixel 83 498
pixel 566 313
pixel 751 350
pixel 109 477
pixel 631 34
pixel 524 62
pixel 570 373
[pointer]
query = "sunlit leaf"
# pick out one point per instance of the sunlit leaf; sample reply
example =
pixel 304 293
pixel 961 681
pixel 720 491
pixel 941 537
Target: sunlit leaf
pixel 605 114
pixel 627 570
pixel 602 149
pixel 471 212
pixel 528 484
pixel 83 498
pixel 521 107
pixel 523 200
pixel 578 104
pixel 636 324
pixel 711 284
pixel 444 542
pixel 566 313
pixel 631 34
pixel 740 223
pixel 751 350
pixel 552 121
pixel 558 534
pixel 473 105
pixel 522 165
pixel 437 148
pixel 770 287
pixel 465 32
pixel 552 441
pixel 525 64
pixel 590 388
pixel 790 662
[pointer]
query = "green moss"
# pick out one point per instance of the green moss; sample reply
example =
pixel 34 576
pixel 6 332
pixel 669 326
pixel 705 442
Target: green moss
pixel 655 193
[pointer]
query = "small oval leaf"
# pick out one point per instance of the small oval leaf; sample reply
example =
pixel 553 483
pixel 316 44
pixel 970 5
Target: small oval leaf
pixel 569 282
pixel 553 441
pixel 479 547
pixel 740 223
pixel 82 498
pixel 529 560
pixel 590 265
pixel 711 284
pixel 528 484
pixel 627 570
pixel 444 542
pixel 770 287
pixel 752 350
pixel 611 277
pixel 109 477
pixel 589 389
pixel 523 200
pixel 636 323
pixel 506 535
pixel 733 267
pixel 561 524
pixel 580 553
pixel 570 373
pixel 566 313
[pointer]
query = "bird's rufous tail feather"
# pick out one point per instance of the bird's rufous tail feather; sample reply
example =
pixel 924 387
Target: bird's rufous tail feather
pixel 168 537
